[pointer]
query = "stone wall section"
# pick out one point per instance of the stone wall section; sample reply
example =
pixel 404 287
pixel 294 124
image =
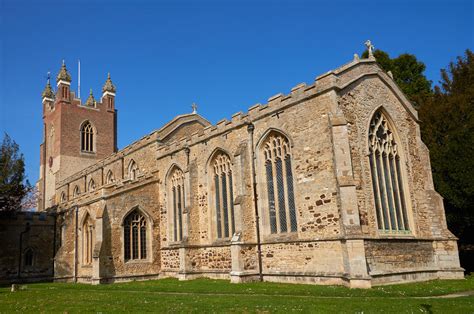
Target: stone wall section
pixel 38 236
pixel 336 239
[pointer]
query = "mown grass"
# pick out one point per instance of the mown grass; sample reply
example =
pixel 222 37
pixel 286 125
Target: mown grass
pixel 205 295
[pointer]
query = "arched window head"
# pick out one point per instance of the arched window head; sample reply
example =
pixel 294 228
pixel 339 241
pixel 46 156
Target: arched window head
pixel 176 182
pixel 223 195
pixel 63 197
pixel 132 170
pixel 387 178
pixel 109 178
pixel 135 236
pixel 76 192
pixel 279 183
pixel 87 138
pixel 28 257
pixel 88 238
pixel 91 186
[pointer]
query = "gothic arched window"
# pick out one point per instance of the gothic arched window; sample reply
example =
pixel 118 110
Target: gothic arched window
pixel 132 170
pixel 28 257
pixel 178 202
pixel 223 195
pixel 91 186
pixel 387 178
pixel 63 197
pixel 87 137
pixel 135 233
pixel 279 183
pixel 109 178
pixel 87 240
pixel 76 192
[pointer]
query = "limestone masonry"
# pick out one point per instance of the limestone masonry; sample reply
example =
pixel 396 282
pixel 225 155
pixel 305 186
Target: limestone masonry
pixel 329 184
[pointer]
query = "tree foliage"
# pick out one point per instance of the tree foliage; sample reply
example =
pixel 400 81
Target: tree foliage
pixel 13 184
pixel 408 74
pixel 447 125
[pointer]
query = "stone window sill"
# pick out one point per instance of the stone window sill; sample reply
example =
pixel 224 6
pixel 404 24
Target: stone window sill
pixel 137 261
pixel 280 237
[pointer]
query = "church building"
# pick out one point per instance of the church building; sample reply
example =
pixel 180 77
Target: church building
pixel 328 184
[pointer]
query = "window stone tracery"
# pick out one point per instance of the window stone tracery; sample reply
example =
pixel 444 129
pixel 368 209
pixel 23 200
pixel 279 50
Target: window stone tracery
pixel 135 236
pixel 223 194
pixel 387 177
pixel 279 184
pixel 178 202
pixel 87 137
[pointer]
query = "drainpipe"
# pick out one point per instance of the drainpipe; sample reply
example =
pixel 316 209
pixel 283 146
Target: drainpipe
pixel 27 228
pixel 75 244
pixel 54 241
pixel 250 129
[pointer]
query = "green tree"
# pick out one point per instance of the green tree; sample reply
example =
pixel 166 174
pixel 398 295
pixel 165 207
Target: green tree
pixel 447 128
pixel 408 73
pixel 13 184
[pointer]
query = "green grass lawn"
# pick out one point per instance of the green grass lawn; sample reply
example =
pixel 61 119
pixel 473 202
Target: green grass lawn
pixel 204 295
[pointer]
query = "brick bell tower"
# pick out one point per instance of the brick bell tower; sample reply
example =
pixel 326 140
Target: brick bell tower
pixel 75 135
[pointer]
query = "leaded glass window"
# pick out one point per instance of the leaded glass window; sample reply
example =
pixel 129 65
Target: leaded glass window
pixel 387 178
pixel 178 202
pixel 224 205
pixel 135 236
pixel 279 184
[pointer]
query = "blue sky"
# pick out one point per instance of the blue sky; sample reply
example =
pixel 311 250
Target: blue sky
pixel 224 55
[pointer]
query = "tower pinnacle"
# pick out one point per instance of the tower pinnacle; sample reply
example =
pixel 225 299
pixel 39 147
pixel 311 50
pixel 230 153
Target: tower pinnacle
pixel 48 91
pixel 90 102
pixel 108 86
pixel 63 74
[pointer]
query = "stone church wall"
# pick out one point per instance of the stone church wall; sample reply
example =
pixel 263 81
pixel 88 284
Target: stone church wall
pixel 337 239
pixel 36 232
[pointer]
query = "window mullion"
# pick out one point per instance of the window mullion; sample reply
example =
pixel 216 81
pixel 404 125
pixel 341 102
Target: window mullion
pixel 383 192
pixel 390 187
pixel 276 195
pixel 375 182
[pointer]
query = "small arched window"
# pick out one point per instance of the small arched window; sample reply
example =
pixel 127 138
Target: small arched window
pixel 91 186
pixel 76 192
pixel 28 257
pixel 387 178
pixel 135 236
pixel 87 240
pixel 63 197
pixel 132 170
pixel 109 178
pixel 223 195
pixel 87 137
pixel 279 183
pixel 178 202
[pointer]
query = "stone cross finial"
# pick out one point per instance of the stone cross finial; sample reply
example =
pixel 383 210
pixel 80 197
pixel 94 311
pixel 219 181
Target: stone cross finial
pixel 370 48
pixel 48 75
pixel 195 107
